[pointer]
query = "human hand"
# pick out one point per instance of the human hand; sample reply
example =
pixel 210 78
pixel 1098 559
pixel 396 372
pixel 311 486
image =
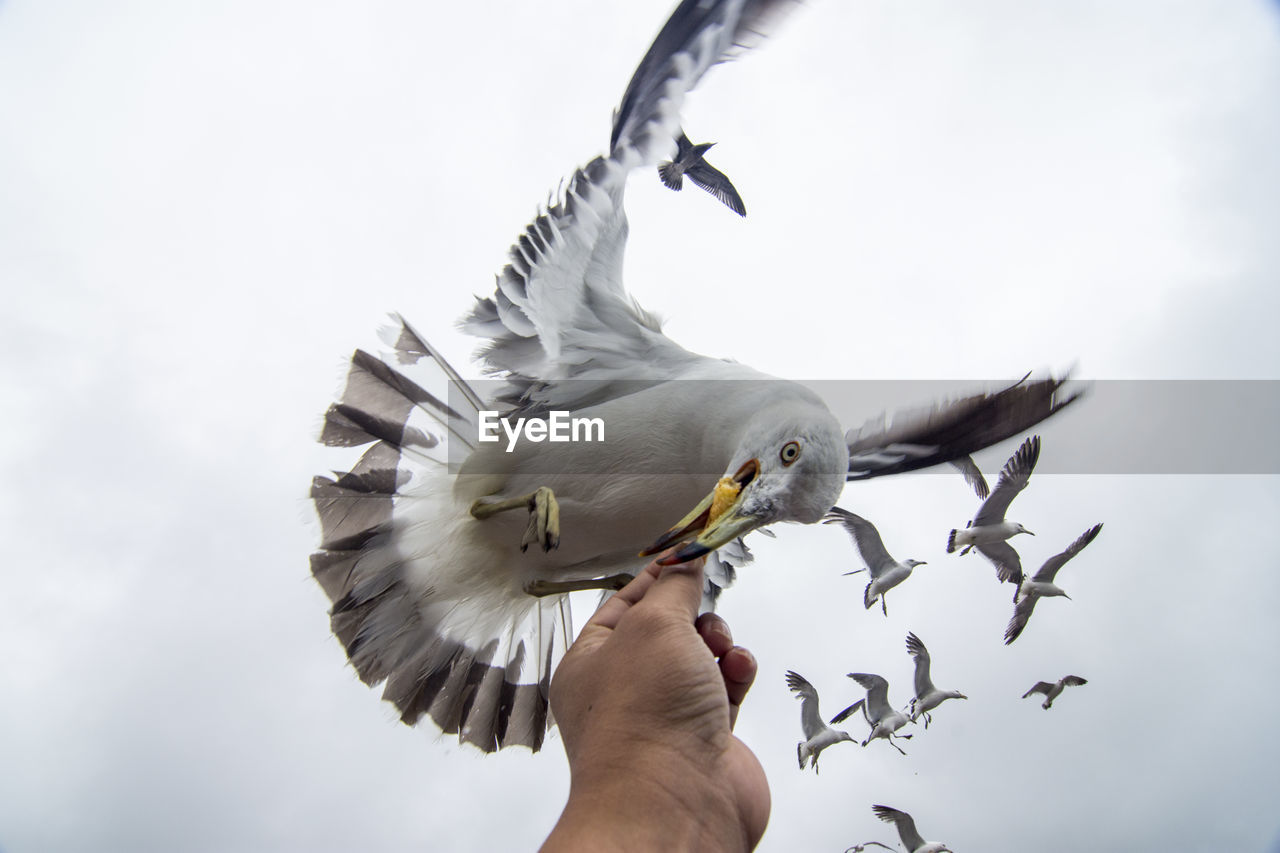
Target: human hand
pixel 645 700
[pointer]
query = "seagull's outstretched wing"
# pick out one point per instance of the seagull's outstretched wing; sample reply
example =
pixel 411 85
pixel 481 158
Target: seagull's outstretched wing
pixel 560 310
pixel 1006 560
pixel 810 718
pixel 921 655
pixel 718 184
pixel 865 537
pixel 1013 479
pixel 953 429
pixel 1050 568
pixel 1022 611
pixel 731 26
pixel 849 712
pixel 973 476
pixel 1039 687
pixel 877 694
pixel 1074 681
pixel 906 826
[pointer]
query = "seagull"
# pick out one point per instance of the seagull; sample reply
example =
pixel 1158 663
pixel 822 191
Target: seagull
pixel 907 831
pixel 1041 585
pixel 448 550
pixel 817 734
pixel 886 572
pixel 859 848
pixel 989 530
pixel 1052 691
pixel 927 696
pixel 689 161
pixel 880 715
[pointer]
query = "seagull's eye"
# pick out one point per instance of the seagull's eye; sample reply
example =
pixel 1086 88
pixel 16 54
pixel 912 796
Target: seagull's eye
pixel 790 452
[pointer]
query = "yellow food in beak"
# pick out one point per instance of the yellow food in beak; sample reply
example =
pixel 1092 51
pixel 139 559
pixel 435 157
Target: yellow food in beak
pixel 715 520
pixel 722 497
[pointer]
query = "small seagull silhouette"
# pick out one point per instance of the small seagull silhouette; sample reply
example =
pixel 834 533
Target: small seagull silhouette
pixel 689 161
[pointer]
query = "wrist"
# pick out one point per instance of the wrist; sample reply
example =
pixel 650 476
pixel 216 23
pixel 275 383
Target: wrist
pixel 655 799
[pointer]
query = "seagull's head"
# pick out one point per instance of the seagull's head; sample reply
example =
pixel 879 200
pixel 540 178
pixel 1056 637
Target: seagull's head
pixel 789 464
pixel 956 694
pixel 1021 529
pixel 911 564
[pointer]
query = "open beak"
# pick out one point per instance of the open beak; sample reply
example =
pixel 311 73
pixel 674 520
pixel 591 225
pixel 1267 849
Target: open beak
pixel 714 522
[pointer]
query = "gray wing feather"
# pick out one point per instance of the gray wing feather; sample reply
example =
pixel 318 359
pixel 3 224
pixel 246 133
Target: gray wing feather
pixel 810 717
pixel 906 825
pixel 718 184
pixel 734 27
pixel 866 538
pixel 1074 681
pixel 559 310
pixel 848 712
pixel 921 655
pixel 1021 614
pixel 1050 568
pixel 951 429
pixel 877 694
pixel 1013 479
pixel 973 476
pixel 1006 560
pixel 1039 687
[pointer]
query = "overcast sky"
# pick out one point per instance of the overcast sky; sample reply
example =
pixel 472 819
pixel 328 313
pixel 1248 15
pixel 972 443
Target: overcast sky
pixel 205 207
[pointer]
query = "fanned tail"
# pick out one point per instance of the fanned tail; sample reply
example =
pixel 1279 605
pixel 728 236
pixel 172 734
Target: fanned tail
pixel 671 176
pixel 408 608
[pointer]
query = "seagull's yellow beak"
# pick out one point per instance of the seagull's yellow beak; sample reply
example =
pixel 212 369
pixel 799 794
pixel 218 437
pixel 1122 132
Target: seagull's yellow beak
pixel 716 520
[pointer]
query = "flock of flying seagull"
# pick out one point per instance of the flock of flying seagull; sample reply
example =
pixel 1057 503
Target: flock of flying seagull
pixel 435 591
pixel 988 533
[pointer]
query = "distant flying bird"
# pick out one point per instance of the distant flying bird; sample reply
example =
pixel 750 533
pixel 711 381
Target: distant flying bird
pixel 1041 585
pixel 689 161
pixel 989 530
pixel 886 572
pixel 907 831
pixel 880 715
pixel 859 848
pixel 1052 691
pixel 927 696
pixel 817 734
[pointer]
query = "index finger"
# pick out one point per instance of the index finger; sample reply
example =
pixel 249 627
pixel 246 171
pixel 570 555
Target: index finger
pixel 608 614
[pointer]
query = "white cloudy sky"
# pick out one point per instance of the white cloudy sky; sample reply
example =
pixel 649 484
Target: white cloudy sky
pixel 206 207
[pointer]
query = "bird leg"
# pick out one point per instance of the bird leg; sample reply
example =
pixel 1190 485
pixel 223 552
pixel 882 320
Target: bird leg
pixel 543 587
pixel 884 607
pixel 894 745
pixel 544 517
pixel 927 720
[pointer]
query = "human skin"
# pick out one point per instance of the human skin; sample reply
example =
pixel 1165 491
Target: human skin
pixel 645 700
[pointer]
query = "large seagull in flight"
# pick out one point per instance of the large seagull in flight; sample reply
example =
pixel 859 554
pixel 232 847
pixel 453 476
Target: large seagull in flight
pixel 447 559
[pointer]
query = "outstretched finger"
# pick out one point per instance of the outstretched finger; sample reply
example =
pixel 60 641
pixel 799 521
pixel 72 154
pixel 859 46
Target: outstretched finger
pixel 607 615
pixel 678 590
